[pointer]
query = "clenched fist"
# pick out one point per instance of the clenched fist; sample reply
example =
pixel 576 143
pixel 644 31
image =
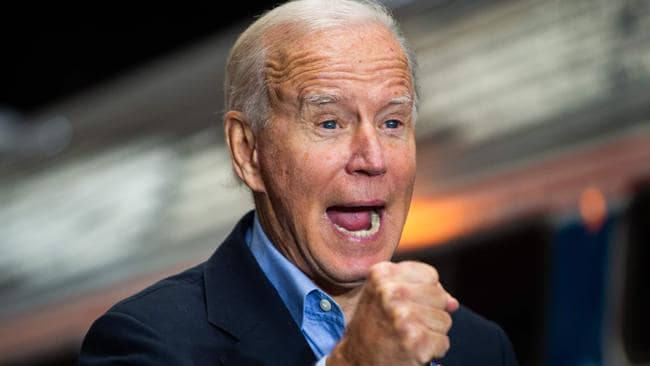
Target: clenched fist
pixel 402 318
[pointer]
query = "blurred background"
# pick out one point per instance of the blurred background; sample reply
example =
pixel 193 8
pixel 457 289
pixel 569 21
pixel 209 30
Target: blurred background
pixel 533 189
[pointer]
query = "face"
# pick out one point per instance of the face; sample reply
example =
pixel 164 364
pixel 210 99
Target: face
pixel 337 161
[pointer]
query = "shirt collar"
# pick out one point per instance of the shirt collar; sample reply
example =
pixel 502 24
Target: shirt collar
pixel 290 282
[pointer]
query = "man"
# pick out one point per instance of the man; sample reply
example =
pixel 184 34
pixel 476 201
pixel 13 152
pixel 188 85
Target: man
pixel 320 120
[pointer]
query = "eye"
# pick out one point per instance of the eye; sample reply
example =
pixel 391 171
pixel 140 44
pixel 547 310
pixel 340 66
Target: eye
pixel 329 124
pixel 392 123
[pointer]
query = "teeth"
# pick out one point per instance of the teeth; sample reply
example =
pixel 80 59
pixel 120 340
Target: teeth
pixel 375 223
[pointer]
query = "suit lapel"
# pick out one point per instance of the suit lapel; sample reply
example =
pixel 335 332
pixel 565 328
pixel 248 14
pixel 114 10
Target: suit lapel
pixel 242 302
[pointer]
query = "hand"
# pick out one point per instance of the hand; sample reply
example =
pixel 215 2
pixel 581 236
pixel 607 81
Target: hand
pixel 402 318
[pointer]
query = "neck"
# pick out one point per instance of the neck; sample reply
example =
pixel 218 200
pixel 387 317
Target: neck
pixel 346 296
pixel 348 301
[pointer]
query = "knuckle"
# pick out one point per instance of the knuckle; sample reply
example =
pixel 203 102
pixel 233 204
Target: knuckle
pixel 428 271
pixel 441 297
pixel 392 292
pixel 439 344
pixel 400 315
pixel 434 275
pixel 443 343
pixel 409 336
pixel 379 271
pixel 446 321
pixel 399 292
pixel 385 291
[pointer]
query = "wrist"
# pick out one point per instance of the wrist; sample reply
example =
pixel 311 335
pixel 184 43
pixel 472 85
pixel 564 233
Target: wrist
pixel 340 355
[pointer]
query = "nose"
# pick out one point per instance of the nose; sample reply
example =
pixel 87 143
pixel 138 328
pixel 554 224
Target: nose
pixel 367 156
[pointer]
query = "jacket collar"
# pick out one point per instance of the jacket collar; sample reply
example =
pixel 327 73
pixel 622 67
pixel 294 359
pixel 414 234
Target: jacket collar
pixel 241 301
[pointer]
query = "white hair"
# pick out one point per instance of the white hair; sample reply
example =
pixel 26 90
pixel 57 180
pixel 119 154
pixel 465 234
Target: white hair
pixel 245 85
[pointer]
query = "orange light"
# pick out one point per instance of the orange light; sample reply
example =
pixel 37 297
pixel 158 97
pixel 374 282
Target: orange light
pixel 593 208
pixel 432 222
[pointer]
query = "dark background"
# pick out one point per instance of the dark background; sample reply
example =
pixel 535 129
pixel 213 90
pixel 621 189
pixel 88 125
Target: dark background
pixel 50 53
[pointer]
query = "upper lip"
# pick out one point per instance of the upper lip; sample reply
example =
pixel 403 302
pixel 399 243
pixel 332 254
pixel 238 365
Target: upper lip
pixel 363 203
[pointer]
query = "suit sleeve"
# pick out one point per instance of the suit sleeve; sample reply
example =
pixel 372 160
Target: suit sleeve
pixel 120 339
pixel 508 354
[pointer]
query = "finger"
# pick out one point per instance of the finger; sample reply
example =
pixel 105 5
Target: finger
pixel 423 273
pixel 416 315
pixel 422 343
pixel 382 270
pixel 424 294
pixel 452 304
pixel 431 346
pixel 411 271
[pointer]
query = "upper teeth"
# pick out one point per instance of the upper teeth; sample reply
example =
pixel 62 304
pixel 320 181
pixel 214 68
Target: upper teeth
pixel 375 223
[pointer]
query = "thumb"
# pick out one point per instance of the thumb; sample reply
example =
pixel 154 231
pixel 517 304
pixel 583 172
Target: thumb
pixel 452 304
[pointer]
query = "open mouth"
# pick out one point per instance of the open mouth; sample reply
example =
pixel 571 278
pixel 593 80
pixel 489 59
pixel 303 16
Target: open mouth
pixel 356 221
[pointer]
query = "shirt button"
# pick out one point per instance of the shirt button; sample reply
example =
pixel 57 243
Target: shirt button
pixel 325 305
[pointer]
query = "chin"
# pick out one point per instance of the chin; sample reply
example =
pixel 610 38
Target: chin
pixel 353 267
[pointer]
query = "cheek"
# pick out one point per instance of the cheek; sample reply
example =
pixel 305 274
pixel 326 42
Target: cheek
pixel 402 161
pixel 298 175
pixel 316 165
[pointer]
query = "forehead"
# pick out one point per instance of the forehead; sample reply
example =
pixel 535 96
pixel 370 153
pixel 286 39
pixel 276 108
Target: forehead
pixel 359 55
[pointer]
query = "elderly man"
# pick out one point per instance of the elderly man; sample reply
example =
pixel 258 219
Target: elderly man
pixel 320 123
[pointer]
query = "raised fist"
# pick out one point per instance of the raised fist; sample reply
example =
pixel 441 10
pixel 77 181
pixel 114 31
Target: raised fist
pixel 402 318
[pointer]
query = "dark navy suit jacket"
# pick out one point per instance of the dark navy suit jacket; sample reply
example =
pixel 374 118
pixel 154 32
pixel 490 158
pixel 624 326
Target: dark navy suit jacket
pixel 225 312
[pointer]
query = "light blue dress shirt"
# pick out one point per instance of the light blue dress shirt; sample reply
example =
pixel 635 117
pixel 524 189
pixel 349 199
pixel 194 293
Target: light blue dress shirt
pixel 319 317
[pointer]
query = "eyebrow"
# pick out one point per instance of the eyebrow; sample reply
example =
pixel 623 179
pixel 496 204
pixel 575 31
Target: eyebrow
pixel 404 99
pixel 320 99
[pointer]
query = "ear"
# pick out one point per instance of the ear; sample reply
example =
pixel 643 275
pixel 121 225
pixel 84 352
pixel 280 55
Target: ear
pixel 243 150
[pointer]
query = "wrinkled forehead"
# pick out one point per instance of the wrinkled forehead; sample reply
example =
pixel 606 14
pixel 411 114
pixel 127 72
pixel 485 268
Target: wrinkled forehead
pixel 280 33
pixel 298 58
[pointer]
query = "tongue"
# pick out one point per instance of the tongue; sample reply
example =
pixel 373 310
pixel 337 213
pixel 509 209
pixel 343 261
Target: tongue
pixel 351 219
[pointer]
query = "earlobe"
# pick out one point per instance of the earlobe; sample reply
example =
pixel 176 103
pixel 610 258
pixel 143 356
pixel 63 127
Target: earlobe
pixel 243 149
